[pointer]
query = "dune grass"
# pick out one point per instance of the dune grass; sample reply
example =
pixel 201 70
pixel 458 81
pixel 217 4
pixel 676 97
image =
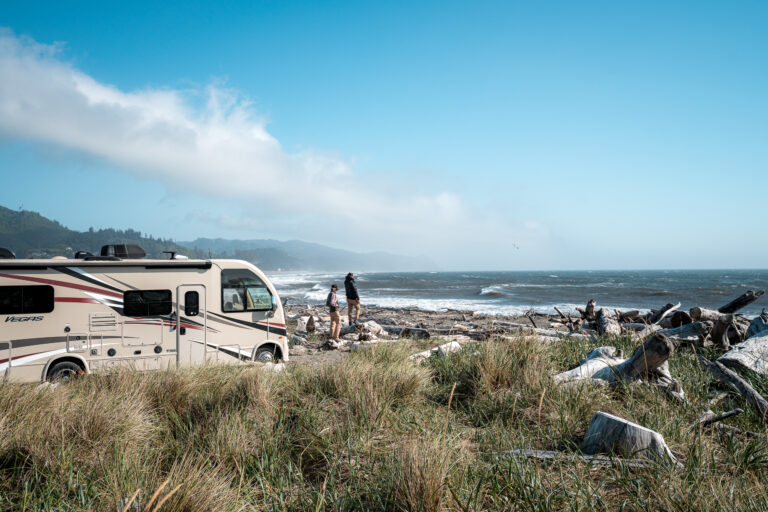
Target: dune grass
pixel 374 431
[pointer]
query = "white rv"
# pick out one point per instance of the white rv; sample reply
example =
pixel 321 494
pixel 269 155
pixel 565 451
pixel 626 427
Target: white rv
pixel 60 317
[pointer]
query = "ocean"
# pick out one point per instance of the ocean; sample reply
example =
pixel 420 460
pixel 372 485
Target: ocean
pixel 506 293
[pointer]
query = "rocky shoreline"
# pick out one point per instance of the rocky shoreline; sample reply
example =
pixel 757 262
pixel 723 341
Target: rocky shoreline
pixel 309 323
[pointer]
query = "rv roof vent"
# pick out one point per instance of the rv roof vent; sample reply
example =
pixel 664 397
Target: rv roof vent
pixel 131 252
pixel 175 256
pixel 80 255
pixel 6 254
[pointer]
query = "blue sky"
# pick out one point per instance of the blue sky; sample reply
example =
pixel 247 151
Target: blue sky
pixel 498 135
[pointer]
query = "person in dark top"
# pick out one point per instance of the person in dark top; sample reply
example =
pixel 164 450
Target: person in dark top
pixel 333 307
pixel 353 299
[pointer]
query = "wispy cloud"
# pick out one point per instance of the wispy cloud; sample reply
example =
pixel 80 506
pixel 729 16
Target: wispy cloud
pixel 222 148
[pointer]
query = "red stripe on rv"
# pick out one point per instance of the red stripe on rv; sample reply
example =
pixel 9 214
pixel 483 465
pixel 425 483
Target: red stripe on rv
pixel 65 284
pixel 74 299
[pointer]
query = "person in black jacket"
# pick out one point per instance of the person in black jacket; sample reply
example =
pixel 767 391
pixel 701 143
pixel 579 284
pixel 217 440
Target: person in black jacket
pixel 353 299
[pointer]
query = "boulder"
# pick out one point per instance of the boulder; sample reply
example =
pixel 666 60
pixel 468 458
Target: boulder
pixel 297 340
pixel 372 327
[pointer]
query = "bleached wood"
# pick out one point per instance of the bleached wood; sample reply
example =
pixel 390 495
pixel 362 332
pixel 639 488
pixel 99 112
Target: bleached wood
pixel 613 435
pixel 720 372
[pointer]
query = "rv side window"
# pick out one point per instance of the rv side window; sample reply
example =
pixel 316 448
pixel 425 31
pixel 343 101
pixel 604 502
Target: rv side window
pixel 147 303
pixel 26 299
pixel 191 303
pixel 242 290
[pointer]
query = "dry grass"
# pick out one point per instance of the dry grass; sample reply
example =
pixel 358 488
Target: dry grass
pixel 375 431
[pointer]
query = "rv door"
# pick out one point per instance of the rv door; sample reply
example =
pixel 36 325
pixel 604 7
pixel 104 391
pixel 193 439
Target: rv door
pixel 191 326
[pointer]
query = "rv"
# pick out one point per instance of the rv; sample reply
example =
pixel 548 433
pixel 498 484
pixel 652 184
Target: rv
pixel 61 317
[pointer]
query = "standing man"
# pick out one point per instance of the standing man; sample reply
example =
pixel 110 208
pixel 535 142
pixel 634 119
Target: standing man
pixel 333 308
pixel 353 299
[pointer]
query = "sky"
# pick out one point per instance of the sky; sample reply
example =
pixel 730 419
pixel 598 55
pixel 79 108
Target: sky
pixel 483 135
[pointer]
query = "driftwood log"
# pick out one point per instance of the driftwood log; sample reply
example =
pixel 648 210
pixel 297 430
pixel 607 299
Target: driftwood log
pixel 751 354
pixel 696 332
pixel 595 460
pixel 610 434
pixel 659 315
pixel 606 323
pixel 709 418
pixel 588 313
pixel 648 363
pixel 721 373
pixel 758 325
pixel 739 302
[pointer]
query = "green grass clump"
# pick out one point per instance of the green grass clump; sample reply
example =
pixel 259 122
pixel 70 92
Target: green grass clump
pixel 373 431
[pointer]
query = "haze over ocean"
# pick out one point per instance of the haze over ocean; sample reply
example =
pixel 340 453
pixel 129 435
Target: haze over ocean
pixel 504 293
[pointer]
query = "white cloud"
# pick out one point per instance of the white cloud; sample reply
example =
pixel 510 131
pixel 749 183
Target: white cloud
pixel 224 149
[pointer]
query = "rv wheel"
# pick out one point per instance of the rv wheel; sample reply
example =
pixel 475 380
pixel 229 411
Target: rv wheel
pixel 266 355
pixel 63 371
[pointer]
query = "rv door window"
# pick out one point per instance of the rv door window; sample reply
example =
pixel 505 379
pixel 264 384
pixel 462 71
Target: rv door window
pixel 147 303
pixel 242 290
pixel 26 299
pixel 191 303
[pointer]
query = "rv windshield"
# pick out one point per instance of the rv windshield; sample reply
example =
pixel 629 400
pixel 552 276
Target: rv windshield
pixel 242 290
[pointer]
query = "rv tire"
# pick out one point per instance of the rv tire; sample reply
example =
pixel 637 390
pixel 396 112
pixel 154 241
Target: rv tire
pixel 63 371
pixel 267 354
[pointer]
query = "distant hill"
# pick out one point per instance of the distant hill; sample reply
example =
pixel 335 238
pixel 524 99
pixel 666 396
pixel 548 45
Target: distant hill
pixel 298 255
pixel 30 235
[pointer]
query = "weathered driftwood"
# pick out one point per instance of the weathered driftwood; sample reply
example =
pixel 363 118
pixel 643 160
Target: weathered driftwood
pixel 629 316
pixel 597 359
pixel 610 434
pixel 588 313
pixel 708 315
pixel 758 326
pixel 679 318
pixel 739 302
pixel 595 460
pixel 696 332
pixel 720 372
pixel 659 315
pixel 606 323
pixel 751 354
pixel 648 363
pixel 728 330
pixel 709 418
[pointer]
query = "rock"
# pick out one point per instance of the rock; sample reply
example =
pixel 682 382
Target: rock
pixel 298 350
pixel 278 367
pixel 301 323
pixel 351 337
pixel 50 386
pixel 448 348
pixel 372 327
pixel 441 351
pixel 613 435
pixel 306 323
pixel 752 354
pixel 459 327
pixel 297 340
